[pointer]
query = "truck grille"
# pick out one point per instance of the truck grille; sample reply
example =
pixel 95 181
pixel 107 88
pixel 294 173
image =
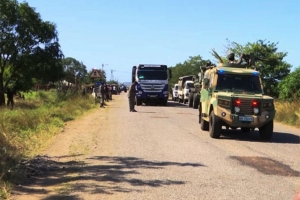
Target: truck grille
pixel 151 87
pixel 246 106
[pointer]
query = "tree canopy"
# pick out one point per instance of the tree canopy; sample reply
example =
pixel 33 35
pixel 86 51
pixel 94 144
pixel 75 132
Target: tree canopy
pixel 29 47
pixel 269 61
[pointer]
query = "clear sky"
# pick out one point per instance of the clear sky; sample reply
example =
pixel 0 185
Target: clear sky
pixel 123 33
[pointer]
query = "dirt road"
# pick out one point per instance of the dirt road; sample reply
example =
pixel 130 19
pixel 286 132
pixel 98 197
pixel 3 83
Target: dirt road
pixel 161 153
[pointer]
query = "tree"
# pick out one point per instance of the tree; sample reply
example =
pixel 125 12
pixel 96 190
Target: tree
pixel 289 87
pixel 270 63
pixel 29 47
pixel 75 71
pixel 188 67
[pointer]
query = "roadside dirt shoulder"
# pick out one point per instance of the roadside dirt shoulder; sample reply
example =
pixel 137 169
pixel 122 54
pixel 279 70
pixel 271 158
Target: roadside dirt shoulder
pixel 55 172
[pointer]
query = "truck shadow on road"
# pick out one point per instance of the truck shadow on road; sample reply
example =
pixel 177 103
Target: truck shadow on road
pixel 104 175
pixel 177 105
pixel 253 136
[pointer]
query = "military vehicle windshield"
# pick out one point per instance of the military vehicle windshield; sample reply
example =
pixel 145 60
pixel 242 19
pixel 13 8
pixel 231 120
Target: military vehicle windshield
pixel 152 74
pixel 189 85
pixel 238 83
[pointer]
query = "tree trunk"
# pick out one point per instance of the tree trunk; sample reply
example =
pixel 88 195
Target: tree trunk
pixel 2 97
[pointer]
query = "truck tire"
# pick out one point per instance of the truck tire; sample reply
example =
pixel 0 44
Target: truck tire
pixel 215 125
pixel 204 125
pixel 266 131
pixel 165 102
pixel 191 100
pixel 196 101
pixel 138 102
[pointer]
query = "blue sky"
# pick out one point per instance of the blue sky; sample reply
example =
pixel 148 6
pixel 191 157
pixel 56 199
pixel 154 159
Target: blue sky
pixel 123 33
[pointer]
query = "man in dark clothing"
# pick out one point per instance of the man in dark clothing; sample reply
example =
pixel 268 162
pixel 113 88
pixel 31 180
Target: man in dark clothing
pixel 102 91
pixel 131 96
pixel 10 98
pixel 231 60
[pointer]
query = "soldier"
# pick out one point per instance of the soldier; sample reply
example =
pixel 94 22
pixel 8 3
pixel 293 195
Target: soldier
pixel 10 98
pixel 232 61
pixel 102 91
pixel 131 96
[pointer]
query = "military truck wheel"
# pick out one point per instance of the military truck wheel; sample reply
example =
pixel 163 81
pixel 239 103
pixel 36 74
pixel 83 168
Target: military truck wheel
pixel 196 101
pixel 245 130
pixel 203 124
pixel 215 125
pixel 191 99
pixel 266 131
pixel 184 101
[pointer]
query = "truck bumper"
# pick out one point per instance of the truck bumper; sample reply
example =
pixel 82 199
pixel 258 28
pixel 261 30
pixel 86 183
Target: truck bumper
pixel 247 121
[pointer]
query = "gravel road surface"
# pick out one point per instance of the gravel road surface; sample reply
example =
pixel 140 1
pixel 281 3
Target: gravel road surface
pixel 160 153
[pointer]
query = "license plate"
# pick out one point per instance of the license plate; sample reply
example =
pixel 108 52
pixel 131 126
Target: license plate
pixel 245 119
pixel 153 96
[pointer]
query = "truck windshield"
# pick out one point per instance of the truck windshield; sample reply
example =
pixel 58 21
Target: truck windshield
pixel 233 82
pixel 176 87
pixel 189 85
pixel 152 74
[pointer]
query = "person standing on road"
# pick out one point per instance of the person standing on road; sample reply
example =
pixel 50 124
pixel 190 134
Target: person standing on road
pixel 131 96
pixel 102 91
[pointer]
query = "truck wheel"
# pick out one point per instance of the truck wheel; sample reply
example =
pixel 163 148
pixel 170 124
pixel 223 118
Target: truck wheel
pixel 165 102
pixel 266 131
pixel 184 101
pixel 204 125
pixel 196 101
pixel 138 102
pixel 191 99
pixel 215 125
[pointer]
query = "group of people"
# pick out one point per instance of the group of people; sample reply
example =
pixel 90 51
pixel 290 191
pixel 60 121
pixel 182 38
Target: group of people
pixel 105 91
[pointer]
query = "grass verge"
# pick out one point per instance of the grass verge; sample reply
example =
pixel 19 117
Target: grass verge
pixel 26 129
pixel 288 112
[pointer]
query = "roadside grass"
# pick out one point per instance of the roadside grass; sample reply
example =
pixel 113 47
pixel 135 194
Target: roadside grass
pixel 288 112
pixel 31 125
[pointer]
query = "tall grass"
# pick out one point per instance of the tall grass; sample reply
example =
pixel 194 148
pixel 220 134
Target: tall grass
pixel 31 124
pixel 288 112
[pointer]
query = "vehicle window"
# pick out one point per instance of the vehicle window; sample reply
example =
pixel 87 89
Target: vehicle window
pixel 152 74
pixel 176 87
pixel 232 82
pixel 189 85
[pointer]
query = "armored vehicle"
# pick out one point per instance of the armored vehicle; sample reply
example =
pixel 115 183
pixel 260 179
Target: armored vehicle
pixel 232 96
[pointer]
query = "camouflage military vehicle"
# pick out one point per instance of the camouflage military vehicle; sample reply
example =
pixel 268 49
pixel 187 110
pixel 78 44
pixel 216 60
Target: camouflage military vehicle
pixel 232 96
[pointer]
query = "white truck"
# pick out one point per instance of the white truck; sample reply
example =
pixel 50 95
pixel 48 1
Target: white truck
pixel 175 92
pixel 185 83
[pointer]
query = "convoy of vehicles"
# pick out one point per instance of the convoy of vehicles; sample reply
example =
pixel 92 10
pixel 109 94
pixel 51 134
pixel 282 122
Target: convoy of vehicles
pixel 152 83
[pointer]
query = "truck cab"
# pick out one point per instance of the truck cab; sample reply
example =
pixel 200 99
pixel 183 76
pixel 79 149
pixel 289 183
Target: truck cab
pixel 175 92
pixel 152 83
